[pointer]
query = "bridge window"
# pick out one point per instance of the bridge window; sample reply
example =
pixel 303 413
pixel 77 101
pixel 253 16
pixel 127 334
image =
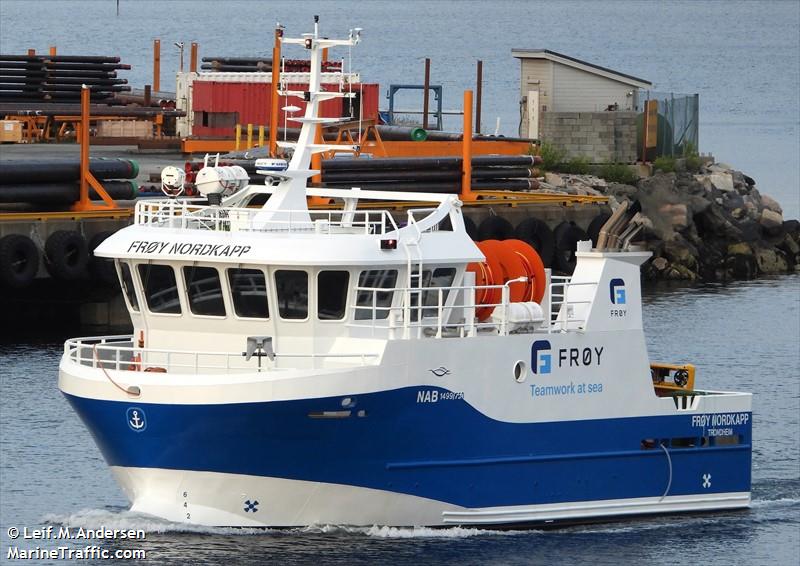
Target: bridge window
pixel 204 290
pixel 127 286
pixel 382 300
pixel 160 288
pixel 292 289
pixel 332 294
pixel 249 293
pixel 442 277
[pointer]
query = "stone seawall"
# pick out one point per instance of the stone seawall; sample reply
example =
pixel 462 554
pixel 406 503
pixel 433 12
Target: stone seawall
pixel 711 225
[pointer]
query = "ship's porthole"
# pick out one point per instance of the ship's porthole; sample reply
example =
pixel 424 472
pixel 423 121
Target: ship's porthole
pixel 520 371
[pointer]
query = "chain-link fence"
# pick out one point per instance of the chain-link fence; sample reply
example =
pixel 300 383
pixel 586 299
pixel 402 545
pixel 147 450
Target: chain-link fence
pixel 678 123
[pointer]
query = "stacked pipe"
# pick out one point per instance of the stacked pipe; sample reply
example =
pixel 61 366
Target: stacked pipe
pixel 432 174
pixel 429 174
pixel 59 77
pixel 74 109
pixel 263 65
pixel 49 184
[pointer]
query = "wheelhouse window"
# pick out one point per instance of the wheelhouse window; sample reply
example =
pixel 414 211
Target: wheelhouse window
pixel 204 290
pixel 442 277
pixel 381 300
pixel 249 293
pixel 160 288
pixel 332 294
pixel 292 290
pixel 127 286
pixel 439 277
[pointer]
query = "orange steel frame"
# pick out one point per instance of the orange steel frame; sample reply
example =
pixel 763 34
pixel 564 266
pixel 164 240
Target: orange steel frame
pixel 84 202
pixel 273 111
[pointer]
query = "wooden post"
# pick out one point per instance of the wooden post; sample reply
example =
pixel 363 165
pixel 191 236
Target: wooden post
pixel 425 88
pixel 147 95
pixel 466 150
pixel 193 58
pixel 53 51
pixel 261 135
pixel 478 96
pixel 156 65
pixel 249 136
pixel 273 107
pixel 238 136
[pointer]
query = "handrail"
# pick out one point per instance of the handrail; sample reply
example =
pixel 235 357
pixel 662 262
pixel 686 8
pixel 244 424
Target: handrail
pixel 109 349
pixel 560 322
pixel 187 214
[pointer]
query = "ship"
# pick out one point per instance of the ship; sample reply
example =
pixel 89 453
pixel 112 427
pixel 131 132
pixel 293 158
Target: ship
pixel 291 366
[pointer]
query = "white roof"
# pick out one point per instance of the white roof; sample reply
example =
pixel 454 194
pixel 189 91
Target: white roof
pixel 582 65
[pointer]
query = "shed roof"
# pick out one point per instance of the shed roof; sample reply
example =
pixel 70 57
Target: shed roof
pixel 582 65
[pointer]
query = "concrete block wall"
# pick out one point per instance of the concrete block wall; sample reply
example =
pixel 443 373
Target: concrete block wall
pixel 601 137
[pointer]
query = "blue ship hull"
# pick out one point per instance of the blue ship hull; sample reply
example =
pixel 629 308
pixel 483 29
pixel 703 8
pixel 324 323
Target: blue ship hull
pixel 447 452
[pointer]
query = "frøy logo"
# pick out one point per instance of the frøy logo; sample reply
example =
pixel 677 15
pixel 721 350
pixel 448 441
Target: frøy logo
pixel 617 291
pixel 541 360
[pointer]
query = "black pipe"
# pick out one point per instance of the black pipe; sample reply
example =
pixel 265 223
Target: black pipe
pixel 426 162
pixel 422 174
pixel 442 186
pixel 63 193
pixel 61 58
pixel 40 108
pixel 80 73
pixel 237 60
pixel 16 65
pixel 37 97
pixel 90 81
pixel 13 172
pixel 89 66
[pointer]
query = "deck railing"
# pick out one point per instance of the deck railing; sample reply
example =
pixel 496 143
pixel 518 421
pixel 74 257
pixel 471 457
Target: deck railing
pixel 119 353
pixel 561 303
pixel 436 312
pixel 194 215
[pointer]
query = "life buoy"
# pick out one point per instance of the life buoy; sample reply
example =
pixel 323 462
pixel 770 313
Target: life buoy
pixel 19 260
pixel 681 378
pixel 534 269
pixel 495 228
pixel 101 268
pixel 66 255
pixel 567 236
pixel 539 236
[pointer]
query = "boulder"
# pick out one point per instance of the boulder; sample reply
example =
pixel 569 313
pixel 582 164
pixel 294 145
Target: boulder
pixel 769 260
pixel 554 179
pixel 660 263
pixel 676 214
pixel 721 181
pixel 771 204
pixel 771 221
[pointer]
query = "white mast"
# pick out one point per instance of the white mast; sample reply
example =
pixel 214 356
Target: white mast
pixel 290 195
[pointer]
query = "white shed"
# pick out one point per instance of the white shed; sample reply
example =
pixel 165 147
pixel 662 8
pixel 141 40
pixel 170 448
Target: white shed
pixel 553 82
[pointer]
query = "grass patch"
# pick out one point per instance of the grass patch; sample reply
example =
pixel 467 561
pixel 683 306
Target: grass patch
pixel 576 166
pixel 551 156
pixel 618 173
pixel 665 164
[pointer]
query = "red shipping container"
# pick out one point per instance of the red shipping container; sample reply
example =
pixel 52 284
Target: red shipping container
pixel 219 106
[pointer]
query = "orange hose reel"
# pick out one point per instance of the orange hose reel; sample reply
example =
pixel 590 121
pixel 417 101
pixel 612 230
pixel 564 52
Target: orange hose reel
pixel 507 260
